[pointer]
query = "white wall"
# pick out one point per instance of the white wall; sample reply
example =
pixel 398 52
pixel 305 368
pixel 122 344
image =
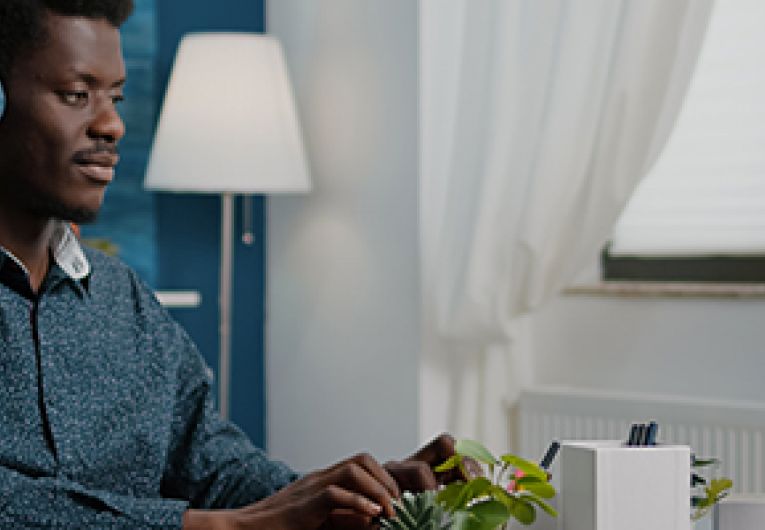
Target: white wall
pixel 343 287
pixel 343 303
pixel 713 348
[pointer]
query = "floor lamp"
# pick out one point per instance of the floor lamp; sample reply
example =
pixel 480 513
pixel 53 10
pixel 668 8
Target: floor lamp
pixel 228 127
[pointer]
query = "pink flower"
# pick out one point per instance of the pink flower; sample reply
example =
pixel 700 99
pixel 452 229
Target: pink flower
pixel 511 486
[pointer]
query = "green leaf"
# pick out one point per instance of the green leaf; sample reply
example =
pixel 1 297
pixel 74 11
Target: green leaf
pixel 475 488
pixel 529 468
pixel 502 495
pixel 476 451
pixel 549 510
pixel 717 489
pixel 511 502
pixel 458 495
pixel 488 515
pixel 719 485
pixel 523 511
pixel 530 479
pixel 449 495
pixel 425 516
pixel 403 514
pixel 452 462
pixel 387 524
pixel 416 511
pixel 539 488
pixel 704 462
pixel 461 520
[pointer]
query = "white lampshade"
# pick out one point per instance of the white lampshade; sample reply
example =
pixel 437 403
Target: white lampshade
pixel 228 122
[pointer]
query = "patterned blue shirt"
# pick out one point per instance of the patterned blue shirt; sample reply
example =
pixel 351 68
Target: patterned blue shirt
pixel 106 415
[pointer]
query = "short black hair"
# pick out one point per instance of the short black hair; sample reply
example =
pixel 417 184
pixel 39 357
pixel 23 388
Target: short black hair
pixel 22 25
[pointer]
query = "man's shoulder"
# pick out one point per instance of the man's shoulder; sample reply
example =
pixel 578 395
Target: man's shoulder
pixel 100 260
pixel 109 270
pixel 117 290
pixel 112 277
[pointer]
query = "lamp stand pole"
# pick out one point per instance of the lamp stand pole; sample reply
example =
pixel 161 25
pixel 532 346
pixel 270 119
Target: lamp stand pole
pixel 226 273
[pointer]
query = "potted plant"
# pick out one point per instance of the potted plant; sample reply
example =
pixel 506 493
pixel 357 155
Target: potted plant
pixel 511 488
pixel 708 490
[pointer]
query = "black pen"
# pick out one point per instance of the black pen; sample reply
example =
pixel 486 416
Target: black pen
pixel 642 433
pixel 550 454
pixel 653 431
pixel 634 435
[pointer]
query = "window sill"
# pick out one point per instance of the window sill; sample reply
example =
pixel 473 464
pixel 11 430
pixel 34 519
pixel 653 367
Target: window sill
pixel 637 289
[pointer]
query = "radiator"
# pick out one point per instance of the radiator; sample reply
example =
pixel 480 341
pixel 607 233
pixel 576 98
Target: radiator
pixel 734 432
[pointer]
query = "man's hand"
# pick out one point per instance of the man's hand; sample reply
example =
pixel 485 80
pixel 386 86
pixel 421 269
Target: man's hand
pixel 356 489
pixel 412 474
pixel 347 495
pixel 416 472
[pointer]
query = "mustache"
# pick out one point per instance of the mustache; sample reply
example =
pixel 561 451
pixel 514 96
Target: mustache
pixel 101 149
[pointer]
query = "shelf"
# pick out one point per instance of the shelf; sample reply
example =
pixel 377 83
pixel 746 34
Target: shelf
pixel 179 299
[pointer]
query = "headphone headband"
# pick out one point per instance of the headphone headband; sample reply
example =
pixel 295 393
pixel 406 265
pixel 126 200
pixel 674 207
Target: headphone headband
pixel 2 100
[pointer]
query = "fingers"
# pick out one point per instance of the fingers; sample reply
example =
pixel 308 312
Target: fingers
pixel 435 452
pixel 363 475
pixel 412 475
pixel 334 497
pixel 379 473
pixel 348 520
pixel 354 491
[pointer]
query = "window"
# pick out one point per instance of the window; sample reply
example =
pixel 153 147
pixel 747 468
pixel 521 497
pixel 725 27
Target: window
pixel 699 214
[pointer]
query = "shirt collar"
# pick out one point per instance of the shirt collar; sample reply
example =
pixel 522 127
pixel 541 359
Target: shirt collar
pixel 67 252
pixel 69 260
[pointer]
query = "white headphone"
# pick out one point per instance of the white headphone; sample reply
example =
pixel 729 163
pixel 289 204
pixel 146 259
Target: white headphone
pixel 2 100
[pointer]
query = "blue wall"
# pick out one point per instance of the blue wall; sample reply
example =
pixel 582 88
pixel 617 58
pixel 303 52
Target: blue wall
pixel 188 229
pixel 126 219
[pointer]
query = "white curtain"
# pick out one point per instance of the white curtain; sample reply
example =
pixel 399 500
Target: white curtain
pixel 538 119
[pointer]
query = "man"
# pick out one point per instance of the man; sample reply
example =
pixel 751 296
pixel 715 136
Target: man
pixel 106 417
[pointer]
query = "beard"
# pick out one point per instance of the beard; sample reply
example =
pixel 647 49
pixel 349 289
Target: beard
pixel 47 206
pixel 80 216
pixel 23 188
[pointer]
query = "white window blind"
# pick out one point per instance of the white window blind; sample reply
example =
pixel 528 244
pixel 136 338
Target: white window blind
pixel 706 193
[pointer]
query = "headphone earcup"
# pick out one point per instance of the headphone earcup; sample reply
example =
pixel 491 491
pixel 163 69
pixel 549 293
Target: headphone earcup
pixel 2 100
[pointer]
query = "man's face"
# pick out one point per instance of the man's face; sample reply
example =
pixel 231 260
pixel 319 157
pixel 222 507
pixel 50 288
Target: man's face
pixel 59 134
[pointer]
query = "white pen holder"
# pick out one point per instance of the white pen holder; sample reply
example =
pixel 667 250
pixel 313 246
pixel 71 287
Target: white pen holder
pixel 605 485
